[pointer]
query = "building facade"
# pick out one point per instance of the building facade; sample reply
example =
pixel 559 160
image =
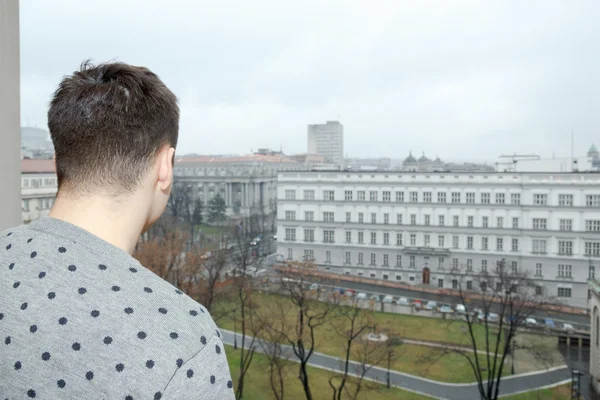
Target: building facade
pixel 327 140
pixel 421 228
pixel 39 186
pixel 595 334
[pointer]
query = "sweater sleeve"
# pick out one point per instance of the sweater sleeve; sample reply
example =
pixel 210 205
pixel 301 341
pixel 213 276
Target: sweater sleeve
pixel 204 376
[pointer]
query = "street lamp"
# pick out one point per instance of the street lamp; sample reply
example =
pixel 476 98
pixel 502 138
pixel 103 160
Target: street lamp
pixel 234 331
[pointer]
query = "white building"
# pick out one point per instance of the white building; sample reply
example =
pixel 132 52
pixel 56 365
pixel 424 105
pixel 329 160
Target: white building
pixel 39 186
pixel 534 163
pixel 595 334
pixel 327 140
pixel 421 228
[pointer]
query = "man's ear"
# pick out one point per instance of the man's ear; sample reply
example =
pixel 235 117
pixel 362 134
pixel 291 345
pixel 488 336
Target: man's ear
pixel 166 160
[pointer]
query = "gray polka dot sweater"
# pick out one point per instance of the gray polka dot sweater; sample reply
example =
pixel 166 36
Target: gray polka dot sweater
pixel 82 319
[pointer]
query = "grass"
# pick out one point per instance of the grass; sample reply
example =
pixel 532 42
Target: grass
pixel 212 230
pixel 256 386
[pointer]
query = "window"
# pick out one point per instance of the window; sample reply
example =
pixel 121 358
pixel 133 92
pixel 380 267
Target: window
pixel 290 254
pixel 413 219
pixel 361 218
pixel 565 200
pixel 455 220
pixel 484 222
pixel 399 197
pixel 499 198
pixel 540 199
pixel 538 269
pixel 327 256
pixel 566 224
pixel 328 216
pixel 455 263
pixel 484 265
pixel 360 259
pixel 485 198
pixel 387 196
pixel 500 222
pixel 328 236
pixel 515 198
pixel 373 195
pixel 290 215
pixel 398 260
pixel 373 218
pixel 592 272
pixel 515 244
pixel 398 277
pixel 469 264
pixel 514 267
pixel 470 242
pixel 564 271
pixel 565 247
pixel 454 283
pixel 347 258
pixel 470 198
pixel 386 260
pixel 441 220
pixel 309 255
pixel 411 262
pixel 290 194
pixel 328 195
pixel 348 195
pixel 399 219
pixel 398 239
pixel 309 235
pixel 441 262
pixel 427 220
pixel 592 225
pixel 373 259
pixel 414 197
pixel 470 219
pixel 441 240
pixel 564 292
pixel 413 239
pixel 348 217
pixel 515 222
pixel 361 237
pixel 456 197
pixel 484 243
pixel 386 238
pixel 426 197
pixel 499 244
pixel 373 238
pixel 469 285
pixel 441 197
pixel 440 283
pixel 498 286
pixel 455 242
pixel 348 237
pixel 426 240
pixel 592 249
pixel 592 200
pixel 360 195
pixel 309 194
pixel 290 234
pixel 25 205
pixel 539 223
pixel 538 246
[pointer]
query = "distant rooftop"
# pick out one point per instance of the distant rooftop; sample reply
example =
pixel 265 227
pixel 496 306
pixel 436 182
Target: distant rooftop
pixel 264 158
pixel 37 166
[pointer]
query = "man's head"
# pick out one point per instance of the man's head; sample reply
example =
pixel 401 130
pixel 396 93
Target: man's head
pixel 114 127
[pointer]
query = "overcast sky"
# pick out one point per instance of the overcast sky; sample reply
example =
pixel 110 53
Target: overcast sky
pixel 464 80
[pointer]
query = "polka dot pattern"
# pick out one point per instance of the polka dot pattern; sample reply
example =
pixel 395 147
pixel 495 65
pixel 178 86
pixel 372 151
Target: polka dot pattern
pixel 102 317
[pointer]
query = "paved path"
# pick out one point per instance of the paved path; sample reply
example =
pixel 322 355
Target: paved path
pixel 439 390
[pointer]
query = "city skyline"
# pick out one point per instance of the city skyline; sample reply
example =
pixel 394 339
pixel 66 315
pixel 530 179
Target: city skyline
pixel 468 89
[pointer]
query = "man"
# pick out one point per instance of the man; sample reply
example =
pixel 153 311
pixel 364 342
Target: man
pixel 80 318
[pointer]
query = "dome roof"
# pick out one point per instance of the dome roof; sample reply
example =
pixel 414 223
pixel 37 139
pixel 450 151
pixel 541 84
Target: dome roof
pixel 593 149
pixel 410 159
pixel 424 159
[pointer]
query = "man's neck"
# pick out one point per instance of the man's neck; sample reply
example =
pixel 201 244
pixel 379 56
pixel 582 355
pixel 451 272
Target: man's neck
pixel 120 228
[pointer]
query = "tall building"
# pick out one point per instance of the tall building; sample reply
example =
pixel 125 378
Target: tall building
pixel 39 186
pixel 424 228
pixel 327 140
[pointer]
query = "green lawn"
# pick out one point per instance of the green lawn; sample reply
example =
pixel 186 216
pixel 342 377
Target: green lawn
pixel 212 230
pixel 562 392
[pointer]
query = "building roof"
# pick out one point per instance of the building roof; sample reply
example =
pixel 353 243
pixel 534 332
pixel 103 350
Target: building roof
pixel 265 158
pixel 410 159
pixel 37 166
pixel 424 159
pixel 593 149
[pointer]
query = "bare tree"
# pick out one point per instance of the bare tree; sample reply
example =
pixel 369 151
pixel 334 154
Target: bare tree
pixel 505 299
pixel 214 264
pixel 164 255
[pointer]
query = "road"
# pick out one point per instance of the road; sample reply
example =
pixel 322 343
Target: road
pixel 439 390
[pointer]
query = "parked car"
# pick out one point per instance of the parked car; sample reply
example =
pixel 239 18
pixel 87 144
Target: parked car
pixel 549 323
pixel 403 300
pixel 388 299
pixel 530 321
pixel 493 317
pixel 417 303
pixel 340 291
pixel 274 237
pixel 460 309
pixel 568 327
pixel 349 293
pixel 315 286
pixel 445 308
pixel 361 296
pixel 431 305
pixel 376 298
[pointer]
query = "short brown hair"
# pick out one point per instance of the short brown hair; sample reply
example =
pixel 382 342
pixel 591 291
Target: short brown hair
pixel 107 122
